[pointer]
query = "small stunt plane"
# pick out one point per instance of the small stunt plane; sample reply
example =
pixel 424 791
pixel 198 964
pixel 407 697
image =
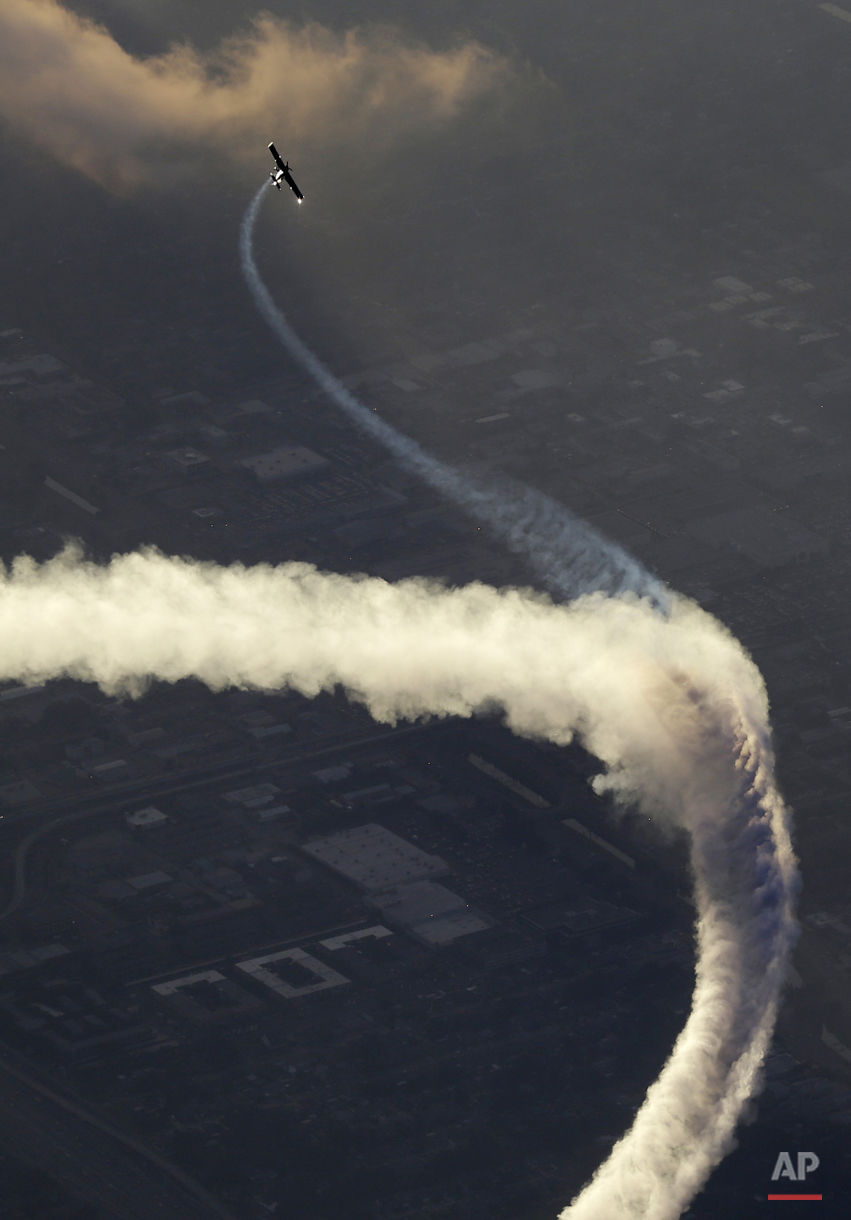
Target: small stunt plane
pixel 282 174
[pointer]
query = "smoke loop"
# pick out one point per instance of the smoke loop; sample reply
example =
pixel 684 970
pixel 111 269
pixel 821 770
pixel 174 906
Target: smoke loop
pixel 714 779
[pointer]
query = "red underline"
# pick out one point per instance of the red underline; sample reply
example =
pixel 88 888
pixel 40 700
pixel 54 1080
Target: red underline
pixel 774 1197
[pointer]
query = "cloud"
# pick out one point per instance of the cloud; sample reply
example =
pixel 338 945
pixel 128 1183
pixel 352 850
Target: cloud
pixel 671 704
pixel 68 85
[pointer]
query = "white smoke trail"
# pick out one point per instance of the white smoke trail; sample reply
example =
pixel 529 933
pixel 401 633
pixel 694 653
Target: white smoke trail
pixel 712 776
pixel 569 556
pixel 671 704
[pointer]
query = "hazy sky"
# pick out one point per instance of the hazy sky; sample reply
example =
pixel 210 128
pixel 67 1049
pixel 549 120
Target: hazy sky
pixel 525 173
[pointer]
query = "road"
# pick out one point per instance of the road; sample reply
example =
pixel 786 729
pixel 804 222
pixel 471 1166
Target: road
pixel 119 798
pixel 100 1165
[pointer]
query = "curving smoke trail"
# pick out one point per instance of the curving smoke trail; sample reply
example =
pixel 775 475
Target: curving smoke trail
pixel 671 704
pixel 677 711
pixel 568 555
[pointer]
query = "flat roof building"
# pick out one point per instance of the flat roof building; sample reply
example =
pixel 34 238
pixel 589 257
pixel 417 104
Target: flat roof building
pixel 206 996
pixel 578 917
pixel 374 858
pixel 285 462
pixel 187 459
pixel 150 816
pixel 430 912
pixel 313 975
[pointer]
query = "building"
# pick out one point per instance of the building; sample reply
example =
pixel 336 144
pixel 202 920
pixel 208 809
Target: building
pixel 374 858
pixel 430 912
pixel 284 462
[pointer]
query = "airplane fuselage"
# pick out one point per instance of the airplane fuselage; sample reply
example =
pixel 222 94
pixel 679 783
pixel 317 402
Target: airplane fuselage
pixel 282 174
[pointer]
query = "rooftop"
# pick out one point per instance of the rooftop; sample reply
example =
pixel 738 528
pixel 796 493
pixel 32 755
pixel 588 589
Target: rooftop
pixel 374 858
pixel 430 912
pixel 284 462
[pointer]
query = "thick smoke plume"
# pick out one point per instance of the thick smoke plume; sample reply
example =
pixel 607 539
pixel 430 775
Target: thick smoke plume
pixel 569 555
pixel 671 704
pixel 67 84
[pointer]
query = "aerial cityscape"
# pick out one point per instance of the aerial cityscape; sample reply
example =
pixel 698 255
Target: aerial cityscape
pixel 425 682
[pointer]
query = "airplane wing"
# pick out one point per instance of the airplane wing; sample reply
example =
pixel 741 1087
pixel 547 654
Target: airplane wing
pixel 284 173
pixel 292 184
pixel 277 157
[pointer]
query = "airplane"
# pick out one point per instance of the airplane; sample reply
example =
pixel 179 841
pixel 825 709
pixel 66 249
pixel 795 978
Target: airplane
pixel 282 174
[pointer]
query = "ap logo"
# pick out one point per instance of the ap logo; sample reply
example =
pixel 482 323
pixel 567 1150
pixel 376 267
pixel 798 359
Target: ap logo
pixel 784 1168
